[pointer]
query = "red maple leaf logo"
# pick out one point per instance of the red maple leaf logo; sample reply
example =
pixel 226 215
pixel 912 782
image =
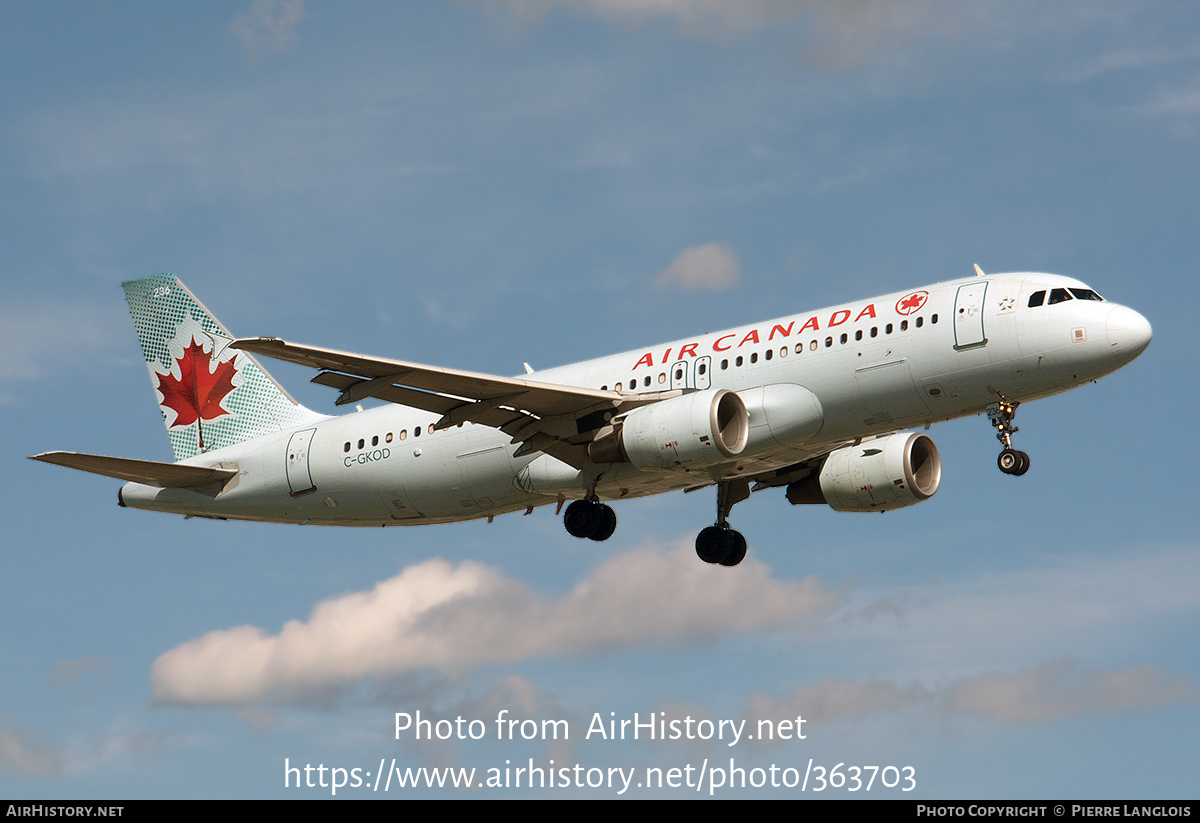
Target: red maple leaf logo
pixel 197 393
pixel 911 303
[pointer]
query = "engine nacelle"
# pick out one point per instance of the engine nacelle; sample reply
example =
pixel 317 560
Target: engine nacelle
pixel 687 432
pixel 888 473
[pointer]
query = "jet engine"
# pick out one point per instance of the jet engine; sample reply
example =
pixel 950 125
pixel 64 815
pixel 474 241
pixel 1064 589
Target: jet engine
pixel 687 432
pixel 887 473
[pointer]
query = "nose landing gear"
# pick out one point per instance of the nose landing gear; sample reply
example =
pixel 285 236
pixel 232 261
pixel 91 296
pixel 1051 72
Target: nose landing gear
pixel 1010 461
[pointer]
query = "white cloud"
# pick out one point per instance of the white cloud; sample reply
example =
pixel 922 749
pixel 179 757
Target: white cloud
pixel 1050 691
pixel 269 25
pixel 1101 608
pixel 436 615
pixel 712 267
pixel 71 671
pixel 833 699
pixel 28 757
pixel 1060 689
pixel 698 17
pixel 838 34
pixel 1180 102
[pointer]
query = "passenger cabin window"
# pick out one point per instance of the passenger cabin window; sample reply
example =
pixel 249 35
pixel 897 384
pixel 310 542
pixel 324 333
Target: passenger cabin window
pixel 1037 298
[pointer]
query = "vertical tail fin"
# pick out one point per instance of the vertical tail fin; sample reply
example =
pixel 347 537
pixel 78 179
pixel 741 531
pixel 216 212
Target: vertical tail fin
pixel 211 396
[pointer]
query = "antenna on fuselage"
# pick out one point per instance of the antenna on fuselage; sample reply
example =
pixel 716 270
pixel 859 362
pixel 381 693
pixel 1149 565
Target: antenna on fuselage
pixel 978 271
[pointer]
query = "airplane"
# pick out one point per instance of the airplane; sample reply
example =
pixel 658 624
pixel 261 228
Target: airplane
pixel 816 403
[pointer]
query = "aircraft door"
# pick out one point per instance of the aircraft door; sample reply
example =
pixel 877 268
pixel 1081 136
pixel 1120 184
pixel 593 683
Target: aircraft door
pixel 298 476
pixel 702 378
pixel 680 372
pixel 968 316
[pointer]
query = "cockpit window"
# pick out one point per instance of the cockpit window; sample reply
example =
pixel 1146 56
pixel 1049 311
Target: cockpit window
pixel 1086 294
pixel 1059 296
pixel 1037 298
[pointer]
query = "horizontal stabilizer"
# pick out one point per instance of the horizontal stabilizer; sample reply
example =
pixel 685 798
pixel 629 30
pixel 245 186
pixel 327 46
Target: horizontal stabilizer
pixel 147 472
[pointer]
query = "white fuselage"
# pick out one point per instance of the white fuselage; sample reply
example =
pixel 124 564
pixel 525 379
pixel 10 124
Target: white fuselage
pixel 811 382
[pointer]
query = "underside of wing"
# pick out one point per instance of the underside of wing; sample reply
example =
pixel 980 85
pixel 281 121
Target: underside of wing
pixel 148 472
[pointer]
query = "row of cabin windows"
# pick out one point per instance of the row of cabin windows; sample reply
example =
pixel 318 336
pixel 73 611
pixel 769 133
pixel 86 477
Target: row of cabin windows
pixel 813 345
pixel 387 438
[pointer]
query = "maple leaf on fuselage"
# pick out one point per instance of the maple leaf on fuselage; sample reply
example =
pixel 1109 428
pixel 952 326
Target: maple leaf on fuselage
pixel 198 393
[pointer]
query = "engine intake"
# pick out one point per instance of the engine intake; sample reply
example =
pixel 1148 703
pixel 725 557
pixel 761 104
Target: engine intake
pixel 888 473
pixel 682 433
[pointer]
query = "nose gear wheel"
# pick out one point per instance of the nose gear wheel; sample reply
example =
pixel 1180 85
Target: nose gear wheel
pixel 1010 460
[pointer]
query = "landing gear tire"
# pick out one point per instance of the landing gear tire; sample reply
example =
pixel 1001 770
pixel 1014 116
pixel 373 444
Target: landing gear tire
pixel 713 544
pixel 582 518
pixel 721 545
pixel 608 524
pixel 1008 461
pixel 1013 462
pixel 737 552
pixel 1024 467
pixel 590 519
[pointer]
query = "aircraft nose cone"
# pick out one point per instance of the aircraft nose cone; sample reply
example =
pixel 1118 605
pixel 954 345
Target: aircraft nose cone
pixel 1128 332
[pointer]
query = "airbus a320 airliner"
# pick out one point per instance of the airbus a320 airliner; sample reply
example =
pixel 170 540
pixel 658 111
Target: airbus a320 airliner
pixel 813 402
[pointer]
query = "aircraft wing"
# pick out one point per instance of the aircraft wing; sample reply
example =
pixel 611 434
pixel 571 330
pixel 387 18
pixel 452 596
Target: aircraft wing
pixel 149 472
pixel 544 416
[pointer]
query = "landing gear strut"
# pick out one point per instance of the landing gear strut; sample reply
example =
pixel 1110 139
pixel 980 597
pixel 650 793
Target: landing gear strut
pixel 719 543
pixel 591 519
pixel 1010 461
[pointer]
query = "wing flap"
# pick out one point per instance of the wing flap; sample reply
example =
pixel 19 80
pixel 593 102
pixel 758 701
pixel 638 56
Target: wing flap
pixel 147 472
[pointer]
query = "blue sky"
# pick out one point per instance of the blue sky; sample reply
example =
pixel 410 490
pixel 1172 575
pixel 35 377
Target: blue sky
pixel 476 185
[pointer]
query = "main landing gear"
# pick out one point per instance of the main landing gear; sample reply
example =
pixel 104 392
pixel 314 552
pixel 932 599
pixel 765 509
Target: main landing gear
pixel 1010 461
pixel 719 543
pixel 591 519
